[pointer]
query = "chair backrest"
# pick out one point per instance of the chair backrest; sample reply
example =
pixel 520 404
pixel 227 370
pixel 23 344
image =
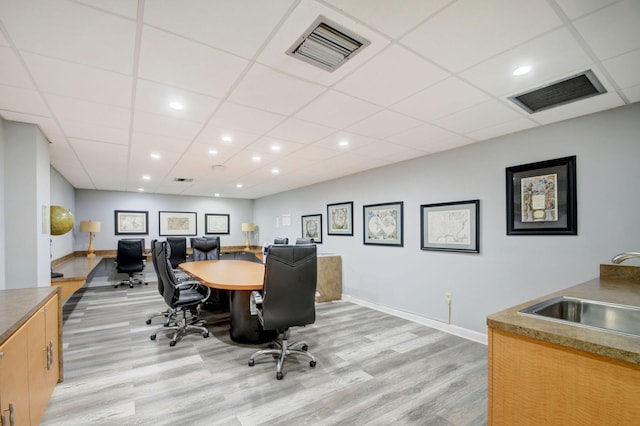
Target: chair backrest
pixel 304 241
pixel 170 292
pixel 178 250
pixel 206 248
pixel 289 286
pixel 129 256
pixel 281 240
pixel 155 248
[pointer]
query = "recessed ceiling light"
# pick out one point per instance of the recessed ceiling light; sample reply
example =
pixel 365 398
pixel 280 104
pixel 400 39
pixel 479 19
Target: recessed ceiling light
pixel 275 148
pixel 217 194
pixel 176 105
pixel 275 171
pixel 343 143
pixel 522 70
pixel 155 156
pixel 226 139
pixel 256 158
pixel 141 189
pixel 239 185
pixel 212 152
pixel 146 177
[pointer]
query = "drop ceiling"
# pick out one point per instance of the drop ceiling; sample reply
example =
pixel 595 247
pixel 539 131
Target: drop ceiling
pixel 97 78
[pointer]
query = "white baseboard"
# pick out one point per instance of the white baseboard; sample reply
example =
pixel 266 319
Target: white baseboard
pixel 447 328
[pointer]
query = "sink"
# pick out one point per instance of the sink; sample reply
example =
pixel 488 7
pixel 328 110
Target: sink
pixel 621 319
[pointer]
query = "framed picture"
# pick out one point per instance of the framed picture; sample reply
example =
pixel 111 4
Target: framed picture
pixel 450 226
pixel 177 223
pixel 215 223
pixel 383 224
pixel 340 218
pixel 128 222
pixel 541 198
pixel 312 227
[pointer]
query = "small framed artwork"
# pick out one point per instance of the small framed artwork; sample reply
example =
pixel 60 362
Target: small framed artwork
pixel 383 224
pixel 177 223
pixel 541 198
pixel 451 226
pixel 312 227
pixel 340 218
pixel 215 223
pixel 131 222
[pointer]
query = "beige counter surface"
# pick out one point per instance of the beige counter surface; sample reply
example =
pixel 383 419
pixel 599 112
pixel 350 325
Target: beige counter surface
pixel 617 284
pixel 18 305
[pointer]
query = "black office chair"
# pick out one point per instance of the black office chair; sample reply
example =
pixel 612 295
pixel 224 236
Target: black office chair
pixel 281 240
pixel 169 313
pixel 287 299
pixel 178 250
pixel 205 248
pixel 130 260
pixel 304 241
pixel 183 297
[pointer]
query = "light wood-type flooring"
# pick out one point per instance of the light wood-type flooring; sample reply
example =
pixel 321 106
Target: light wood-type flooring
pixel 372 369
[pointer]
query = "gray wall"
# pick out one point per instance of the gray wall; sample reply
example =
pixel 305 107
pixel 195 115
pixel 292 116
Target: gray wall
pixel 100 206
pixel 509 269
pixel 3 247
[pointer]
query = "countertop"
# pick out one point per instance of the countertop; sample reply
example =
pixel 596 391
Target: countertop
pixel 616 284
pixel 17 305
pixel 75 268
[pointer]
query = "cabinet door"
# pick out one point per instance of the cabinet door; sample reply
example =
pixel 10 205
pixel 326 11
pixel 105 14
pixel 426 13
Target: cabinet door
pixel 14 389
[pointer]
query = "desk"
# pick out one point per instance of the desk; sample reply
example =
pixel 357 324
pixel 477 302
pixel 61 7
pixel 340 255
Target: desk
pixel 76 270
pixel 240 277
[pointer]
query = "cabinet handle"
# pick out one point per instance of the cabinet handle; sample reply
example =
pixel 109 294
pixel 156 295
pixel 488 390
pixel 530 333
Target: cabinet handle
pixel 49 354
pixel 11 419
pixel 1 355
pixel 3 419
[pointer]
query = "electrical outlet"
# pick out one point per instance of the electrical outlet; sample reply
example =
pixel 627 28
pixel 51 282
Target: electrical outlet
pixel 449 297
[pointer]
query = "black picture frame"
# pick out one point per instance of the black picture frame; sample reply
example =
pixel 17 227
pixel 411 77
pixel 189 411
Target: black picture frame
pixel 312 227
pixel 131 222
pixel 340 218
pixel 452 226
pixel 550 203
pixel 177 223
pixel 216 223
pixel 383 224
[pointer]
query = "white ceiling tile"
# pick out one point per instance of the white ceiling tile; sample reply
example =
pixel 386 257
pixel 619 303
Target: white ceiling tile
pixel 212 135
pixel 12 73
pixel 632 93
pixel 502 129
pixel 613 30
pixel 429 139
pixel 94 132
pixel 486 114
pixel 264 88
pixel 265 145
pixel 80 81
pixel 47 125
pixel 395 73
pixel 313 152
pixel 69 109
pixel 576 8
pixel 168 59
pixel 446 37
pixel 496 74
pixel 354 141
pixel 382 150
pixel 155 98
pixel 625 69
pixel 390 16
pixel 238 117
pixel 300 131
pixel 383 124
pixel 22 100
pixel 333 109
pixel 295 26
pixel 145 122
pixel 105 163
pixel 442 99
pixel 4 41
pixel 128 8
pixel 71 31
pixel 238 27
pixel 149 143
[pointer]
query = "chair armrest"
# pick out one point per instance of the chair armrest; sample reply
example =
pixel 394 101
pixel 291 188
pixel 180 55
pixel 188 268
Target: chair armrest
pixel 188 284
pixel 254 300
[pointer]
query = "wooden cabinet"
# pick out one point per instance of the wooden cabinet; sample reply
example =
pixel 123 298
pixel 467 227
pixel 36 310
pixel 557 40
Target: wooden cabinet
pixel 532 382
pixel 29 366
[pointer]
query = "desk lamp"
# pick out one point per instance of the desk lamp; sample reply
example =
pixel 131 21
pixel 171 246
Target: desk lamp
pixel 248 227
pixel 90 226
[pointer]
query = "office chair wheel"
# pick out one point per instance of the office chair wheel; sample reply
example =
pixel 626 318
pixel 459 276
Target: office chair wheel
pixel 148 321
pixel 312 364
pixel 152 337
pixel 251 363
pixel 279 375
pixel 205 335
pixel 305 348
pixel 172 343
pixel 130 285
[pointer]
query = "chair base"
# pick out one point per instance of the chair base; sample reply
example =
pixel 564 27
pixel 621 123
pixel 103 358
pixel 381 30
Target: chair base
pixel 282 349
pixel 131 281
pixel 183 326
pixel 169 316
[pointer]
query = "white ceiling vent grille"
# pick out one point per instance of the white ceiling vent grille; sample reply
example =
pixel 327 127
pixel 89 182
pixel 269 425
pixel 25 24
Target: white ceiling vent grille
pixel 580 86
pixel 327 45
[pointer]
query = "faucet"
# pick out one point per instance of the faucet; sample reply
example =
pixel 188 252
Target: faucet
pixel 619 258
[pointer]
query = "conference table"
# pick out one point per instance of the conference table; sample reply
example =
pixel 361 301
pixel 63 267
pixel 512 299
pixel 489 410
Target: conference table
pixel 240 277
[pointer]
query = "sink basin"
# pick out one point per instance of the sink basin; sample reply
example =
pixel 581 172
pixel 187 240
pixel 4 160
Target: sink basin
pixel 621 319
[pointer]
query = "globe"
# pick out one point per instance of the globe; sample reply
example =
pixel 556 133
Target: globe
pixel 61 220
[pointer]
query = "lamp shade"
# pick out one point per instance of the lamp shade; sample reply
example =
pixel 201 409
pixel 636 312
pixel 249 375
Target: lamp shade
pixel 248 227
pixel 89 226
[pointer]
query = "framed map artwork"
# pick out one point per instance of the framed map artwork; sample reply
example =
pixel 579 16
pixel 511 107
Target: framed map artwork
pixel 312 227
pixel 383 224
pixel 178 223
pixel 450 226
pixel 340 218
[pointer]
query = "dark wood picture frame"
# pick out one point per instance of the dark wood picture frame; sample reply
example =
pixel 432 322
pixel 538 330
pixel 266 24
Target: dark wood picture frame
pixel 216 223
pixel 312 227
pixel 131 222
pixel 549 204
pixel 383 224
pixel 453 226
pixel 340 218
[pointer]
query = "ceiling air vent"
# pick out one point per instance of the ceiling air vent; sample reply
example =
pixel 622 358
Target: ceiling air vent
pixel 183 179
pixel 581 86
pixel 327 45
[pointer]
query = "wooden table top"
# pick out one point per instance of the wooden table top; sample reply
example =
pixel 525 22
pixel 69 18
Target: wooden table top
pixel 227 274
